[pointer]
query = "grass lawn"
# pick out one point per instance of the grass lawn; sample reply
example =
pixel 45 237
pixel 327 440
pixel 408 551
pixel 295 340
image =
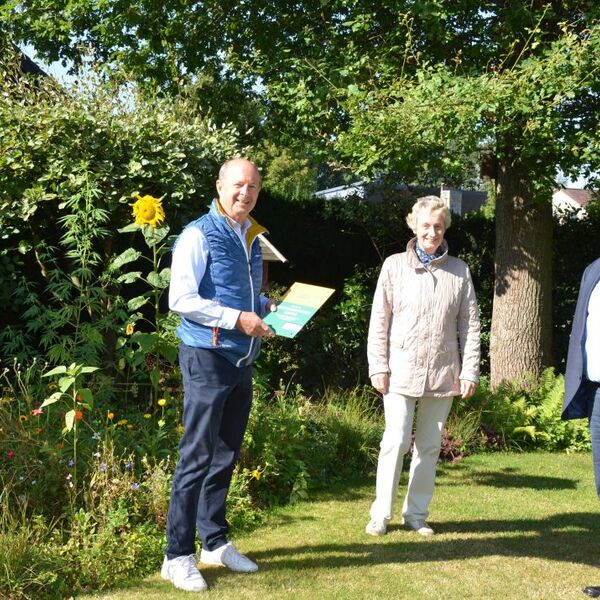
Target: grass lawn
pixel 508 526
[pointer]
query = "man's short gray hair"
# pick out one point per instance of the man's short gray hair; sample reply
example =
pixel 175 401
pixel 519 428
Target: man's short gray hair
pixel 432 204
pixel 225 166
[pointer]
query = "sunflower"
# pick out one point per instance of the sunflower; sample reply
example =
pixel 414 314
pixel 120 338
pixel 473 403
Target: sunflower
pixel 148 210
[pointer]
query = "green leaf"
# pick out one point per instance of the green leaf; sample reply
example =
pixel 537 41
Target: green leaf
pixel 64 383
pixel 130 277
pixel 69 420
pixel 147 341
pixel 154 377
pixel 130 228
pixel 89 369
pixel 154 235
pixel 168 351
pixel 159 280
pixel 55 371
pixel 125 257
pixel 87 397
pixel 52 399
pixel 136 303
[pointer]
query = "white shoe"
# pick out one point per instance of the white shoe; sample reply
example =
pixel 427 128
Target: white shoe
pixel 183 573
pixel 375 527
pixel 420 527
pixel 228 556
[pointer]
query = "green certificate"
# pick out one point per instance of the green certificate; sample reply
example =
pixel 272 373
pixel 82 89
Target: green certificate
pixel 296 308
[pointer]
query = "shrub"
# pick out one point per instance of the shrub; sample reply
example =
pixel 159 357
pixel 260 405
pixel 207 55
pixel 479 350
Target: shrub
pixel 71 161
pixel 512 417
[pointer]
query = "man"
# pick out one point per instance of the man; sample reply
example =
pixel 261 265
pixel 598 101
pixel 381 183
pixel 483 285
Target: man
pixel 582 377
pixel 216 275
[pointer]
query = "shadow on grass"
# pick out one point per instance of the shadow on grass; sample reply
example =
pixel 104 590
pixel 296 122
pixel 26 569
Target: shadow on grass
pixel 508 477
pixel 517 480
pixel 568 537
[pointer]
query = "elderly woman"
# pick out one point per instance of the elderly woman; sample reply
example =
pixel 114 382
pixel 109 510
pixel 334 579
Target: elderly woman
pixel 423 306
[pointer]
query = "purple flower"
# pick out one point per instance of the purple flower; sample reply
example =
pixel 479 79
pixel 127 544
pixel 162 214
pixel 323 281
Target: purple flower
pixel 135 486
pixel 71 462
pixel 128 465
pixel 103 466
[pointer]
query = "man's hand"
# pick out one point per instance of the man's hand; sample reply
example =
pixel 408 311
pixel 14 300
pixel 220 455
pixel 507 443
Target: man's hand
pixel 381 382
pixel 467 388
pixel 251 324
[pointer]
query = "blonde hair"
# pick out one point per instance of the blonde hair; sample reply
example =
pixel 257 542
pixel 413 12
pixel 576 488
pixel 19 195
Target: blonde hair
pixel 432 204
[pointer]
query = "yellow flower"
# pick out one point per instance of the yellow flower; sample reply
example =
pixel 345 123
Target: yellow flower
pixel 180 428
pixel 122 422
pixel 161 423
pixel 162 402
pixel 110 415
pixel 23 418
pixel 256 474
pixel 148 210
pixel 129 329
pixel 147 416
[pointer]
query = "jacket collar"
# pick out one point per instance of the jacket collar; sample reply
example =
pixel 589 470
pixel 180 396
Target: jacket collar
pixel 251 232
pixel 413 259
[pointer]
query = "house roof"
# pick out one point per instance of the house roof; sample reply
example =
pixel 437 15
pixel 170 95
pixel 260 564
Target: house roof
pixel 581 197
pixel 269 252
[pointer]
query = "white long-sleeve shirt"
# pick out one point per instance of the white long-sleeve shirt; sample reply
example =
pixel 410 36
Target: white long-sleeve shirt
pixel 592 336
pixel 188 266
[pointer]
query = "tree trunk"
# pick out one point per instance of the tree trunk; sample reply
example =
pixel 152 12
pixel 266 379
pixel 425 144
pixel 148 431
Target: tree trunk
pixel 521 333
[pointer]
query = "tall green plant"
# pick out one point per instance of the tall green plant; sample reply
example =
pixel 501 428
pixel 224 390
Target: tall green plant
pixel 149 214
pixel 76 398
pixel 67 310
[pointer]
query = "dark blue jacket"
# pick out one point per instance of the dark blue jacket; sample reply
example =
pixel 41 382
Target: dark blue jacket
pixel 579 392
pixel 232 278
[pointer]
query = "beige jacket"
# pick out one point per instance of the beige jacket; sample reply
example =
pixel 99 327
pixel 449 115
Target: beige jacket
pixel 419 314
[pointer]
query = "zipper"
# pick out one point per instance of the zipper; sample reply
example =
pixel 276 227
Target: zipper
pixel 252 302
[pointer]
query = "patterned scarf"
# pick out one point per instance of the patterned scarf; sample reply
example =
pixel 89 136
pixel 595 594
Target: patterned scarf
pixel 427 258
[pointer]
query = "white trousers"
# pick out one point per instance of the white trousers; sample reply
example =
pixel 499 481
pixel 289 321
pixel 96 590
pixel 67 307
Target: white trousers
pixel 399 413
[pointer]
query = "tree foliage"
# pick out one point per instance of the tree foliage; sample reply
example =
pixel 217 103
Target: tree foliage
pixel 413 88
pixel 69 165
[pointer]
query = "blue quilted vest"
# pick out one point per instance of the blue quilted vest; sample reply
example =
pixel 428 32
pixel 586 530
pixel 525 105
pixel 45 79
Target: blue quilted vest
pixel 233 278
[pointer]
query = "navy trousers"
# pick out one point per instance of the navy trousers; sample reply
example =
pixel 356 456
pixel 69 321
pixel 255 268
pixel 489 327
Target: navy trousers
pixel 595 432
pixel 216 406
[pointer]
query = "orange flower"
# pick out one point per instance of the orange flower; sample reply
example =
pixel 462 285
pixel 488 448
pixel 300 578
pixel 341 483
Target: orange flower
pixel 110 415
pixel 78 415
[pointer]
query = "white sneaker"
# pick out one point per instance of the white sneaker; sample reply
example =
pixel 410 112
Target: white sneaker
pixel 421 527
pixel 375 527
pixel 228 556
pixel 183 573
